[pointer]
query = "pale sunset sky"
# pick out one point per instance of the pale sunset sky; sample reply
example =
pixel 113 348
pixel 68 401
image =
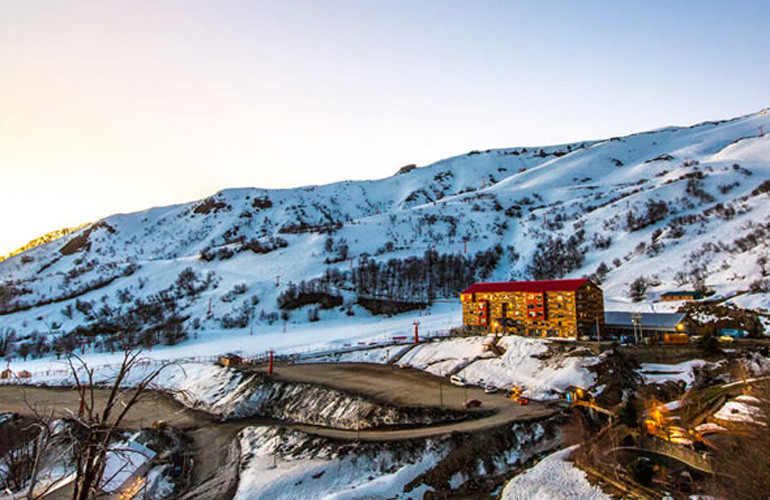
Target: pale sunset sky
pixel 118 106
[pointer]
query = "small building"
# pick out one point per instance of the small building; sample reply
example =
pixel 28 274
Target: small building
pixel 682 295
pixel 125 469
pixel 25 374
pixel 561 308
pixel 573 394
pixel 648 325
pixel 7 373
pixel 230 360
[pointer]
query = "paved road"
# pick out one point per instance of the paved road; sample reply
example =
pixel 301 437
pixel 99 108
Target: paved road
pixel 150 407
pixel 393 385
pixel 407 387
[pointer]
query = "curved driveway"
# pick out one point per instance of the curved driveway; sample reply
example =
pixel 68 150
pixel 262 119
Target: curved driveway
pixel 403 387
pixel 407 387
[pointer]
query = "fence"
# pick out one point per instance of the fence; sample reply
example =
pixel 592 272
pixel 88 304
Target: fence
pixel 10 377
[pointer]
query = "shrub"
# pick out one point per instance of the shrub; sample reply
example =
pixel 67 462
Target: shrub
pixel 655 211
pixel 762 188
pixel 637 290
pixel 307 293
pixel 556 257
pixel 759 286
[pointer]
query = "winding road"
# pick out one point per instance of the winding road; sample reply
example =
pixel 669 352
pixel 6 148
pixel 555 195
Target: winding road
pixel 403 387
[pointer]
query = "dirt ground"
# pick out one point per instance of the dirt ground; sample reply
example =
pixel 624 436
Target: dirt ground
pixel 65 401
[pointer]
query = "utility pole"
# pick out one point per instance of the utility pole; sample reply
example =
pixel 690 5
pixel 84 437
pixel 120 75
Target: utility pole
pixel 636 320
pixel 416 334
pixel 440 394
pixel 598 337
pixel 278 281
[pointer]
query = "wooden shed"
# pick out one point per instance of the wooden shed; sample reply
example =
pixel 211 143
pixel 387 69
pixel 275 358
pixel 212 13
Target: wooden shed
pixel 7 373
pixel 682 295
pixel 230 360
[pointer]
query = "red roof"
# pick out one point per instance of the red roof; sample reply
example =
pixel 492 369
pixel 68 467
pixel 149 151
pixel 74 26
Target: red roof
pixel 527 286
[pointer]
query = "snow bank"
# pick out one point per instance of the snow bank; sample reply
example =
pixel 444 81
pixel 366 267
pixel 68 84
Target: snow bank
pixel 553 478
pixel 444 357
pixel 378 355
pixel 280 464
pixel 709 427
pixel 541 376
pixel 660 373
pixel 737 411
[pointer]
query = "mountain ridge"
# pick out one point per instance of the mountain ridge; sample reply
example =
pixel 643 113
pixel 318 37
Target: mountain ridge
pixel 679 206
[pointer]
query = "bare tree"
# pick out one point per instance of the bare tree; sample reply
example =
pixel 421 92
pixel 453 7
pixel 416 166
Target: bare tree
pixel 17 452
pixel 24 447
pixel 97 425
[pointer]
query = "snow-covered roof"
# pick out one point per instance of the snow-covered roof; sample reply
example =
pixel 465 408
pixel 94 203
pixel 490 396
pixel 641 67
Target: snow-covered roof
pixel 678 293
pixel 648 320
pixel 527 286
pixel 123 460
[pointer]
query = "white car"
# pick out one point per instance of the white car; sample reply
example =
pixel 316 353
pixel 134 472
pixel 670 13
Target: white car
pixel 456 380
pixel 490 389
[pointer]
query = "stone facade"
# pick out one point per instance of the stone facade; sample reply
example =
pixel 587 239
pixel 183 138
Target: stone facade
pixel 555 308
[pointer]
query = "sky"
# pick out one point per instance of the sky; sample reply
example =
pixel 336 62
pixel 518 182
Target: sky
pixel 117 106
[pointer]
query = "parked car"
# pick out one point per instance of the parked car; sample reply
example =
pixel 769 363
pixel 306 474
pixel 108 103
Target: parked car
pixel 523 401
pixel 457 380
pixel 490 389
pixel 472 403
pixel 726 339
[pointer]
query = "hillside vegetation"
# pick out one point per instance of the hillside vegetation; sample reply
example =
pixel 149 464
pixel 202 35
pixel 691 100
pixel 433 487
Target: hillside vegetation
pixel 680 207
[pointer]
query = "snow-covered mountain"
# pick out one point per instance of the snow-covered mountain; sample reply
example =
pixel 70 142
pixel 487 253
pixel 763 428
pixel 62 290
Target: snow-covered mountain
pixel 680 207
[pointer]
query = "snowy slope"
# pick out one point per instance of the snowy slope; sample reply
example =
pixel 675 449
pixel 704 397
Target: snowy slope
pixel 715 225
pixel 553 478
